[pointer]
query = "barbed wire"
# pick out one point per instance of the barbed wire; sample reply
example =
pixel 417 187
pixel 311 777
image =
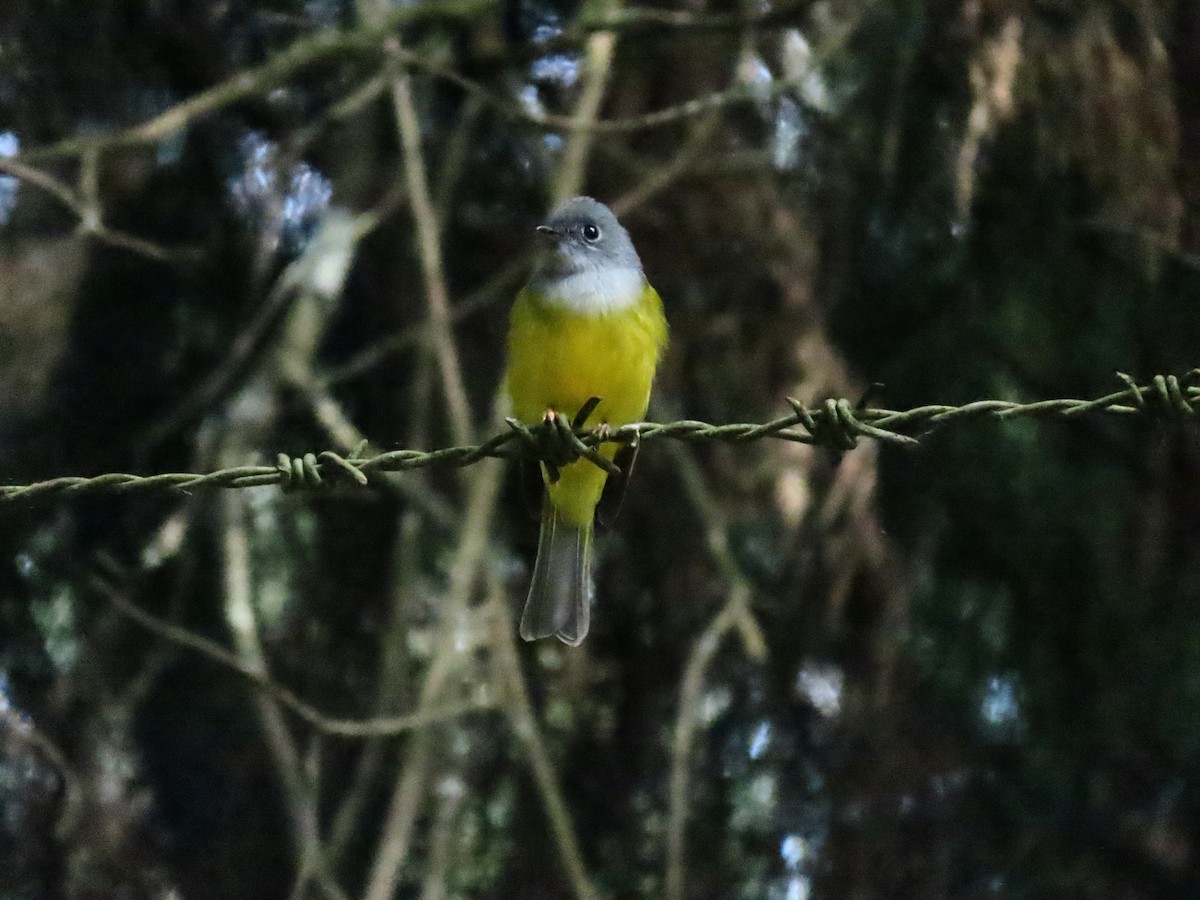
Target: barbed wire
pixel 836 424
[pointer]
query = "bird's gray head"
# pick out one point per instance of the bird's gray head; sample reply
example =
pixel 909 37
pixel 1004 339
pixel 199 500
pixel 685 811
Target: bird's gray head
pixel 587 260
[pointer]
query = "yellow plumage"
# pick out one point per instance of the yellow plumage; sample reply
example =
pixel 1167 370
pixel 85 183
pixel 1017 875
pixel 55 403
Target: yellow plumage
pixel 560 357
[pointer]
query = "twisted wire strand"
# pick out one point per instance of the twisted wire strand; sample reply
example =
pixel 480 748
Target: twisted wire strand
pixel 836 424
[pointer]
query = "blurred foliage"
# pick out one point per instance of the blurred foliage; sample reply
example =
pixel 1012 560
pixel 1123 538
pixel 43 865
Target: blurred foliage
pixel 982 667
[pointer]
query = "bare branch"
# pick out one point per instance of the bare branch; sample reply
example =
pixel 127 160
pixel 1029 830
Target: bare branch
pixel 382 726
pixel 256 81
pixel 472 548
pixel 734 614
pixel 87 210
pixel 572 171
pixel 430 251
pixel 690 692
pixel 519 710
pixel 503 282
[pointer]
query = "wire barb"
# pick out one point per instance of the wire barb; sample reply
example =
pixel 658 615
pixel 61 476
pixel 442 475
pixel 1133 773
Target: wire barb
pixel 835 423
pixel 298 472
pixel 1167 395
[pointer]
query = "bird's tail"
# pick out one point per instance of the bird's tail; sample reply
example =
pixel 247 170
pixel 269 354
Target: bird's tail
pixel 560 595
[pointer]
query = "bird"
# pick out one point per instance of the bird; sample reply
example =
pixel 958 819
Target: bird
pixel 587 324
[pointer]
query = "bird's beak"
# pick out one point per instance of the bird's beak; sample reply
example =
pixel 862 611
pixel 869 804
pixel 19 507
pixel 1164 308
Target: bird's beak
pixel 550 234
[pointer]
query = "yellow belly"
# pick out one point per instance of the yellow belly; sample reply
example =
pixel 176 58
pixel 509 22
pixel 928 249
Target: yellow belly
pixel 558 359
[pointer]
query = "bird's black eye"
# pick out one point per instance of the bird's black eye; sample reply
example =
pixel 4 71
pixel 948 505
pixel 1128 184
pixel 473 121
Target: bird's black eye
pixel 591 233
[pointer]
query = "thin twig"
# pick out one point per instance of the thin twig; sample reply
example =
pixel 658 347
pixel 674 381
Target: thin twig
pixel 662 177
pixel 505 281
pixel 233 366
pixel 451 168
pixel 44 180
pixel 350 105
pixel 716 536
pixel 381 726
pixel 464 571
pixel 524 724
pixel 483 488
pixel 242 618
pixel 680 20
pixel 450 793
pixel 87 210
pixel 734 614
pixel 428 233
pixel 301 54
pixel 572 170
pixel 732 95
pixel 393 682
pixel 690 691
pixel 15 726
pixel 669 115
pixel 430 252
pixel 370 40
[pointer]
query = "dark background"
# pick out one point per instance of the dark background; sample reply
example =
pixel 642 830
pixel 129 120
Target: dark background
pixel 966 670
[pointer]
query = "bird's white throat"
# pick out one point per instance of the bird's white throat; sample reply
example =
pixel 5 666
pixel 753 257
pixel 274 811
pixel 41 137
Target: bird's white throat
pixel 595 291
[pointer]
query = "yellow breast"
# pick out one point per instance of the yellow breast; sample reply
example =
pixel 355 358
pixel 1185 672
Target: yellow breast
pixel 558 358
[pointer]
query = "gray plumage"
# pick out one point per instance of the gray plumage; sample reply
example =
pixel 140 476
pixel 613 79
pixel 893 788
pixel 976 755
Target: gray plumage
pixel 560 593
pixel 582 236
